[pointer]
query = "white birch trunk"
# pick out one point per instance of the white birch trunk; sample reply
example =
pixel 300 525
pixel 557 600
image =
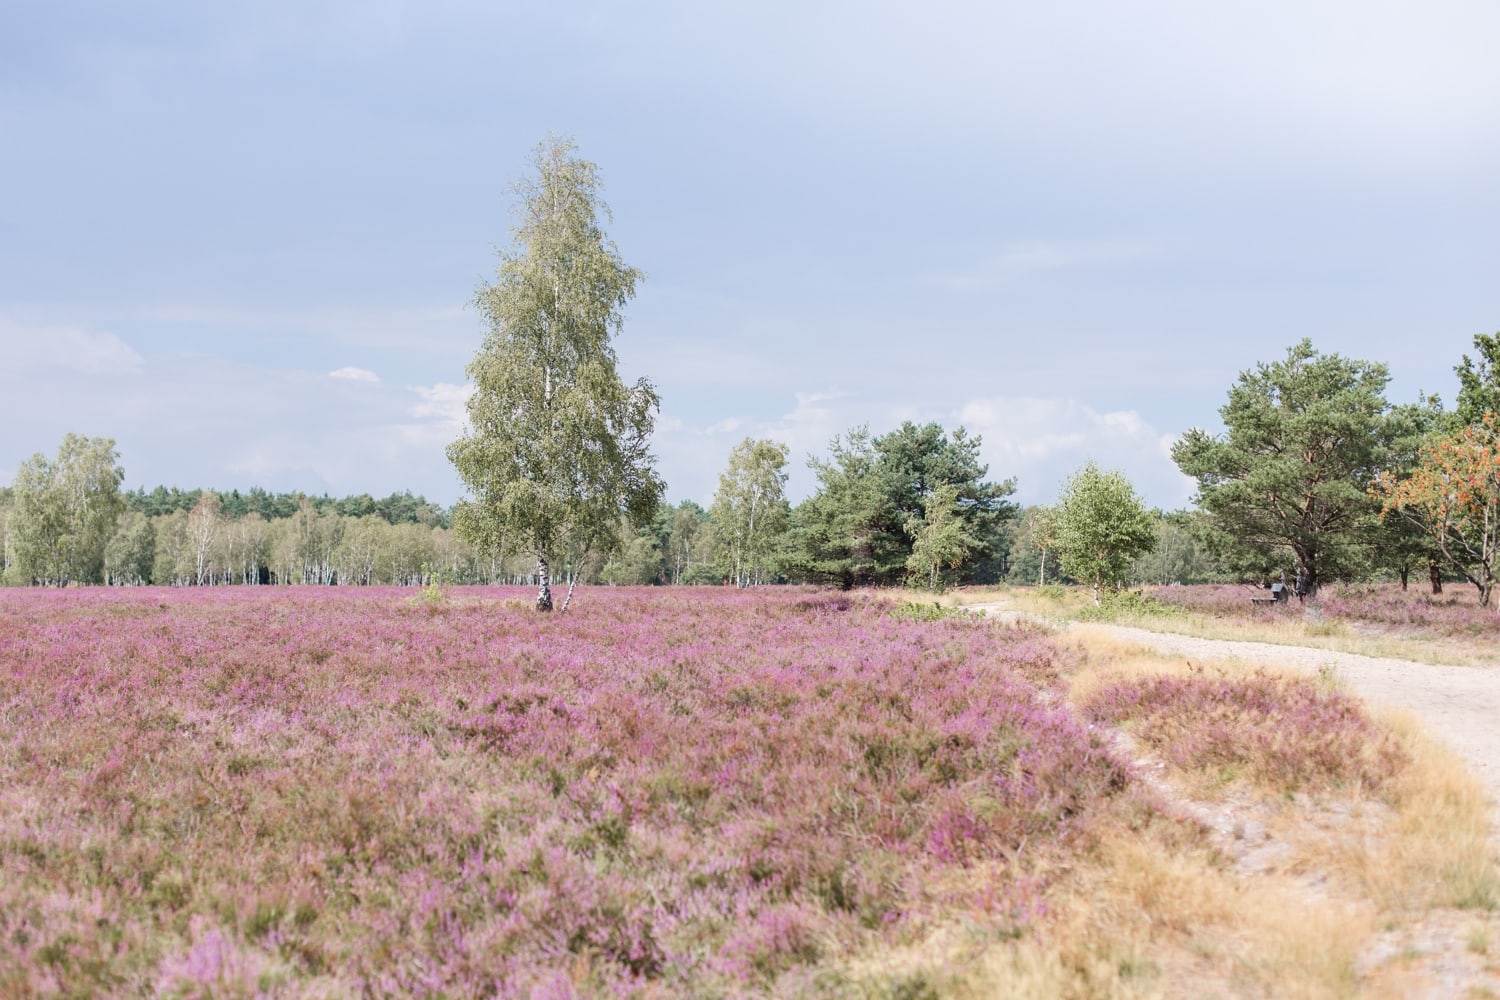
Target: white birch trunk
pixel 544 584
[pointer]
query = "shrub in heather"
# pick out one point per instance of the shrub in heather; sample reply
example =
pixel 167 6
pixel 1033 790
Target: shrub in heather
pixel 1283 732
pixel 692 791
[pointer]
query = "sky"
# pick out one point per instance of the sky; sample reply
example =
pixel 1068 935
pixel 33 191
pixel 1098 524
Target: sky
pixel 243 239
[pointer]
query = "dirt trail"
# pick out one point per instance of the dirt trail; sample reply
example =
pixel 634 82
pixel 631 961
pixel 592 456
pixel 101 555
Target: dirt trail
pixel 1458 705
pixel 1432 956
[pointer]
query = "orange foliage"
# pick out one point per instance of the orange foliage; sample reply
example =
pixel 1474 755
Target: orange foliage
pixel 1454 494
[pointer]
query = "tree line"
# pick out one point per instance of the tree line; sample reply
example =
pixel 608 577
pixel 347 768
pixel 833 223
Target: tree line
pixel 1316 476
pixel 64 521
pixel 913 501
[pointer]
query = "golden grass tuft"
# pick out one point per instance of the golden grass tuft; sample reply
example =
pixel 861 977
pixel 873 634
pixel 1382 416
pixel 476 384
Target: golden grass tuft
pixel 1436 850
pixel 1151 913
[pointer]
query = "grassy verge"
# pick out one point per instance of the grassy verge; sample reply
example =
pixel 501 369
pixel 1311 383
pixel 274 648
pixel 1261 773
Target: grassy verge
pixel 1317 852
pixel 1374 830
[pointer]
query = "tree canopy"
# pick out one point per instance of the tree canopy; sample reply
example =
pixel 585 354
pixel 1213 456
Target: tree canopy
pixel 558 445
pixel 1285 485
pixel 750 507
pixel 1101 527
pixel 861 526
pixel 1479 380
pixel 1453 496
pixel 64 512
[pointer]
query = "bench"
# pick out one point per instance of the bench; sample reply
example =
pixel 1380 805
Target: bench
pixel 1279 592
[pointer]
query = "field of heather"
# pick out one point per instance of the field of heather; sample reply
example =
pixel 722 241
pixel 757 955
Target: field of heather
pixel 338 792
pixel 328 792
pixel 1414 612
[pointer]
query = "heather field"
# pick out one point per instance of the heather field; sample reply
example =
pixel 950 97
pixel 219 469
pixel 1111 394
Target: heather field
pixel 336 792
pixel 1414 612
pixel 703 792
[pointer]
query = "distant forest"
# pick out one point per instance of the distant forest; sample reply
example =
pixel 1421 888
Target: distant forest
pixel 398 508
pixel 1317 478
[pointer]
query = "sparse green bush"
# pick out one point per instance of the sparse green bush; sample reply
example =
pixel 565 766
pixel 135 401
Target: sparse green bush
pixel 1114 605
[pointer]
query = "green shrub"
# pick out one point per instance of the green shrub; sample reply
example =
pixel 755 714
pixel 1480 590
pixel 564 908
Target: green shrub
pixel 1116 604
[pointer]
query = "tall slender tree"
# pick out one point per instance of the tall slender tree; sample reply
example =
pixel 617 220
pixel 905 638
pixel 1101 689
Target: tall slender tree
pixel 558 445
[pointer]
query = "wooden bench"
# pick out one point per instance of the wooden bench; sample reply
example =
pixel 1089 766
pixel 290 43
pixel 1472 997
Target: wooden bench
pixel 1279 593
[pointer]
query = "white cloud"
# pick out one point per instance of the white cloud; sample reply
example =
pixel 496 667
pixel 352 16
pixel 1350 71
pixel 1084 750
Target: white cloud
pixel 443 403
pixel 692 455
pixel 355 375
pixel 1041 441
pixel 31 349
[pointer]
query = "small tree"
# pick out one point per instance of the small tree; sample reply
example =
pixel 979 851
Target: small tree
pixel 1101 527
pixel 750 507
pixel 557 449
pixel 1043 525
pixel 1454 495
pixel 65 511
pixel 941 538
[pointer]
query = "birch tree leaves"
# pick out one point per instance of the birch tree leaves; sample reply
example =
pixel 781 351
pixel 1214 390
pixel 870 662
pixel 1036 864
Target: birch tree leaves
pixel 65 512
pixel 558 445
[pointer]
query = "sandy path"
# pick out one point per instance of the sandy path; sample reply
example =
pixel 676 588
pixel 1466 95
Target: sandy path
pixel 1432 956
pixel 1458 705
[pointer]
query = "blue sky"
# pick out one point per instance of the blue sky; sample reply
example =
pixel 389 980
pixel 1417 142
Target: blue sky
pixel 242 242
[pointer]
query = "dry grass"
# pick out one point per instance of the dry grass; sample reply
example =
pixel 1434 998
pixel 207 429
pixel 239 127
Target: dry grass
pixel 1153 912
pixel 1401 859
pixel 1436 852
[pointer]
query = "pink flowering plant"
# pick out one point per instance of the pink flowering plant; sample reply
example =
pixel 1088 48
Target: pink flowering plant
pixel 1286 733
pixel 1382 606
pixel 697 791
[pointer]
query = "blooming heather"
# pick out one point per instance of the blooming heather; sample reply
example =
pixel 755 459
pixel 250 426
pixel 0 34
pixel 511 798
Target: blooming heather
pixel 1452 614
pixel 293 792
pixel 1284 732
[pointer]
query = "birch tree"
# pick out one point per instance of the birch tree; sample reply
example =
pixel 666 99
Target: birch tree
pixel 684 538
pixel 64 512
pixel 940 538
pixel 204 524
pixel 558 445
pixel 750 506
pixel 131 551
pixel 1102 526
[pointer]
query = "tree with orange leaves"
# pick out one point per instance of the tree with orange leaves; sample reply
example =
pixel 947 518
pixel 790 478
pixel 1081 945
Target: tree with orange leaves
pixel 1454 495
